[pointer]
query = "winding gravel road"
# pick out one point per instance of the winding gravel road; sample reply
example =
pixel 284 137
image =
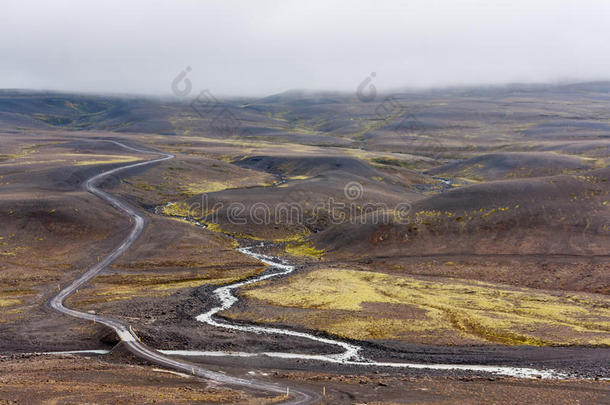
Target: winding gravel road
pixel 350 355
pixel 131 341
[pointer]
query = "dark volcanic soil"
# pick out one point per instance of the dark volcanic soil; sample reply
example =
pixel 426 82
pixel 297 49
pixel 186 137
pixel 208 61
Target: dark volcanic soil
pixel 69 379
pixel 555 229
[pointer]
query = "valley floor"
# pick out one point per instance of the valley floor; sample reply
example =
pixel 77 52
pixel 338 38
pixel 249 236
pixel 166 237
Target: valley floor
pixel 502 258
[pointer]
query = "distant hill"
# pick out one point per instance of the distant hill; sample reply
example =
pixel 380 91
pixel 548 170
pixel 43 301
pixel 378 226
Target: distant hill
pixel 499 166
pixel 567 214
pixel 83 112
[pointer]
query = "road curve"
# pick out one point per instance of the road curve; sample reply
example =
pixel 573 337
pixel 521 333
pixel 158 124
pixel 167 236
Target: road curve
pixel 298 396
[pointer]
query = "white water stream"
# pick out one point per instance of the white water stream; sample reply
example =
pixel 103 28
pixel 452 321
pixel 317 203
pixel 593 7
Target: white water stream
pixel 227 300
pixel 350 356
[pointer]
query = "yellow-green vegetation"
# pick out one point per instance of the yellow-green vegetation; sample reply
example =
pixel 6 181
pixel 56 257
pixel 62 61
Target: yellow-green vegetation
pixel 7 302
pixel 177 209
pixel 204 187
pixel 392 162
pixel 469 180
pixel 250 146
pixel 217 228
pixel 211 226
pixel 305 249
pixel 475 311
pixel 4 157
pixel 13 297
pixel 114 287
pixel 11 251
pixel 188 177
pixel 20 291
pixel 214 227
pixel 25 151
pixel 295 243
pixel 596 162
pixel 293 239
pixel 429 217
pixel 99 159
pixel 144 186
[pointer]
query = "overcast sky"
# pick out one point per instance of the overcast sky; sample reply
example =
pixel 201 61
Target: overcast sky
pixel 254 47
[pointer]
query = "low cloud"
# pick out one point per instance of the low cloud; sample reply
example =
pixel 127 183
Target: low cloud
pixel 264 47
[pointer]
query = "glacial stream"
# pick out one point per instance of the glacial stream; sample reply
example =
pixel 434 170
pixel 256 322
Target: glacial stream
pixel 351 354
